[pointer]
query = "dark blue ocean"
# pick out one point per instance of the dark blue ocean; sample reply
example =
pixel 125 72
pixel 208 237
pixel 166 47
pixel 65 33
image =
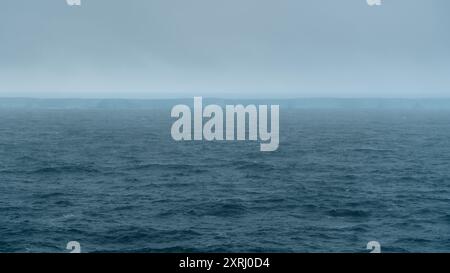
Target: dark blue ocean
pixel 115 181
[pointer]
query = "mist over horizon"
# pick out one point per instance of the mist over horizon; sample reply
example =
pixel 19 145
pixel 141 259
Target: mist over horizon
pixel 286 104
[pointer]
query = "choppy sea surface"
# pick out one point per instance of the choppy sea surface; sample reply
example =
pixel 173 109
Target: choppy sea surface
pixel 114 180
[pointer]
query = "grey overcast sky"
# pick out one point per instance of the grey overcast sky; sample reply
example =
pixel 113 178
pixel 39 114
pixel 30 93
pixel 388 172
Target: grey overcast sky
pixel 225 48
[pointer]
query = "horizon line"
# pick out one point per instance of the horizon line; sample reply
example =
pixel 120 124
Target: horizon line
pixel 228 98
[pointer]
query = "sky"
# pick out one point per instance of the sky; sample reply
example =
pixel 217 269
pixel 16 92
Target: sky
pixel 225 48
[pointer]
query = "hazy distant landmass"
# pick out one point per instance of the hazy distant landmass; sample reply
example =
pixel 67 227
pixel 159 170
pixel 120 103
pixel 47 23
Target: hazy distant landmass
pixel 309 103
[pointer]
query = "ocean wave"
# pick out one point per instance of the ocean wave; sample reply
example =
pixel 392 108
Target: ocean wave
pixel 348 213
pixel 65 170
